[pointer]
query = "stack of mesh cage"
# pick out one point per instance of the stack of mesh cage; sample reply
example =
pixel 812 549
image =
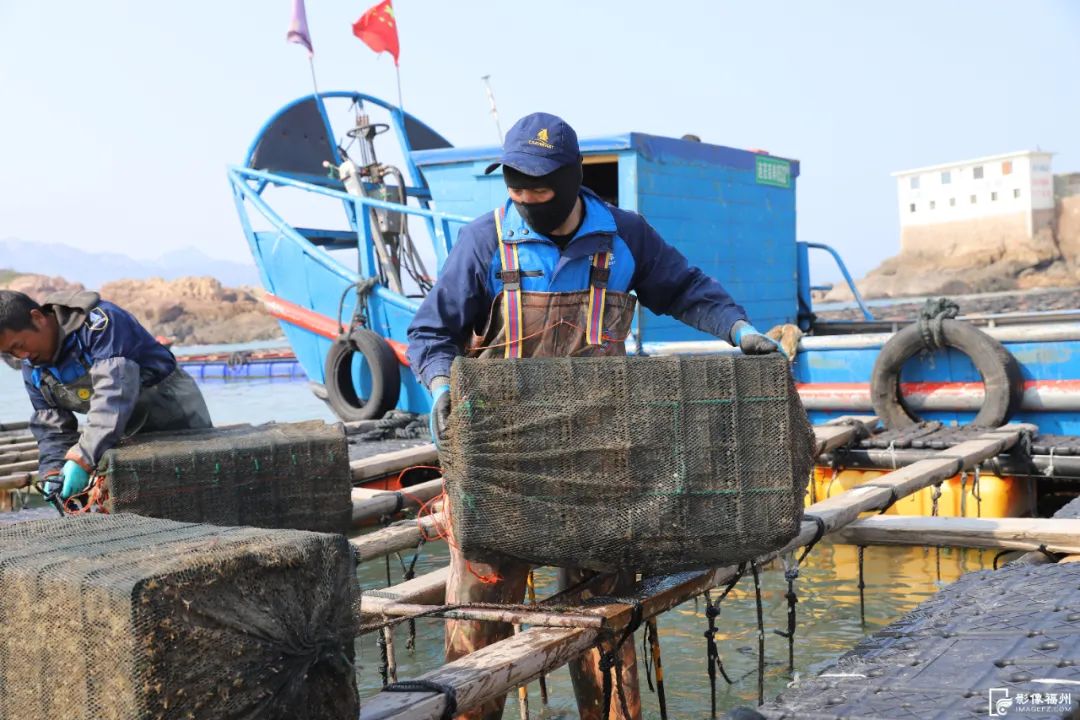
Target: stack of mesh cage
pixel 120 617
pixel 288 475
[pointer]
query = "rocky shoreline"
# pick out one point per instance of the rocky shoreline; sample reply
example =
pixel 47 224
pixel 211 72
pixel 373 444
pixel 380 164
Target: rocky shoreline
pixel 1024 301
pixel 188 311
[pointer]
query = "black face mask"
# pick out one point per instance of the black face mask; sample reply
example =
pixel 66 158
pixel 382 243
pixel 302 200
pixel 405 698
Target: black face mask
pixel 546 216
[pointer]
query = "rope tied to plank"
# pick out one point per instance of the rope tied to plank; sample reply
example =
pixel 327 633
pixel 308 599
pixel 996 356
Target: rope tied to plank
pixel 1051 556
pixel 611 660
pixel 650 647
pixel 862 587
pixel 935 495
pixel 791 574
pixel 933 315
pixel 447 691
pixel 408 572
pixel 714 662
pixel 760 634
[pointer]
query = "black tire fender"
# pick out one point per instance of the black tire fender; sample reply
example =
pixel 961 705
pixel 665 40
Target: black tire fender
pixel 1000 373
pixel 341 393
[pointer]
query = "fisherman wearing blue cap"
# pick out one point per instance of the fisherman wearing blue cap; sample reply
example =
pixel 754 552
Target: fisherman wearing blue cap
pixel 554 256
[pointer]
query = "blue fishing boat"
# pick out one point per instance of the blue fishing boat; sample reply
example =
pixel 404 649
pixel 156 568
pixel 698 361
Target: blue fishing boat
pixel 345 290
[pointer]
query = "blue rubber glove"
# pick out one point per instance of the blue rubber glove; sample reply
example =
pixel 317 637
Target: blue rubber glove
pixel 75 479
pixel 751 342
pixel 439 419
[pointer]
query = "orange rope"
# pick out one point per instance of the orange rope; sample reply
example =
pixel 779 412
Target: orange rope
pixel 445 531
pixel 97 494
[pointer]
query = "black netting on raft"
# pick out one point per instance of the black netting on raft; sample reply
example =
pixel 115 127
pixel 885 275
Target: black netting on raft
pixel 289 475
pixel 120 617
pixel 649 464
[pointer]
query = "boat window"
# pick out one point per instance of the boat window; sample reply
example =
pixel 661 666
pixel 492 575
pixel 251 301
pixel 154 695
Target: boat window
pixel 601 175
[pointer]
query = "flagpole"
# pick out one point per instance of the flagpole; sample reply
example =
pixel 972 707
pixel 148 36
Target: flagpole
pixel 494 110
pixel 400 102
pixel 314 82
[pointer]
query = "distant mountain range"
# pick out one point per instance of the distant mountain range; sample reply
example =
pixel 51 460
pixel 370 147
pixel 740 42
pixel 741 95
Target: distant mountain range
pixel 94 269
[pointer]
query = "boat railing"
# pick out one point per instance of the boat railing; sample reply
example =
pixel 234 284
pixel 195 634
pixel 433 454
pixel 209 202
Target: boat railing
pixel 804 275
pixel 249 185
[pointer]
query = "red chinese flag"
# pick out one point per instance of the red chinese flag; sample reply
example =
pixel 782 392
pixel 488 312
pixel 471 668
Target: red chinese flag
pixel 377 29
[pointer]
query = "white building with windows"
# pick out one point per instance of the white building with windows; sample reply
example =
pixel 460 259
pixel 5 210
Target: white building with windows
pixel 990 201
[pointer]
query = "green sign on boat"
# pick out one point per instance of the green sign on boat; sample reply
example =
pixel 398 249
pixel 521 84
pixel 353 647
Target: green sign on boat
pixel 772 171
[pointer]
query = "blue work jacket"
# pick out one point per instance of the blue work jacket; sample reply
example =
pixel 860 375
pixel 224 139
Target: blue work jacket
pixel 641 262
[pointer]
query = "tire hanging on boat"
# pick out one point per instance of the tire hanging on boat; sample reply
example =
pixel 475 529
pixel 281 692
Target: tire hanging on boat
pixel 999 370
pixel 343 395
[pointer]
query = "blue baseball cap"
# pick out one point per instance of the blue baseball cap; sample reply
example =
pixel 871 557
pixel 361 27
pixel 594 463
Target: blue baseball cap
pixel 538 144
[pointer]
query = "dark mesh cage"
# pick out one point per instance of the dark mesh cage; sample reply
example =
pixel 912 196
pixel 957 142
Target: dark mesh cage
pixel 288 475
pixel 120 617
pixel 646 464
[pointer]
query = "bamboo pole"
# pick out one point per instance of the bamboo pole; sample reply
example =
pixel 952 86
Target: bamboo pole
pixel 428 589
pixel 17 439
pixel 15 467
pixel 493 671
pixel 6 458
pixel 18 425
pixel 17 480
pixel 369 505
pixel 378 466
pixel 18 447
pixel 519 617
pixel 1058 535
pixel 394 538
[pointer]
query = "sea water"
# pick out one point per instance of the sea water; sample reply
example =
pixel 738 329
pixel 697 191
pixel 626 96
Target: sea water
pixel 828 610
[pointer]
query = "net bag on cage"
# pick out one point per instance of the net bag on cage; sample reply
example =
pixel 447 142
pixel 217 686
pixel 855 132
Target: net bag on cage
pixel 121 617
pixel 287 475
pixel 627 463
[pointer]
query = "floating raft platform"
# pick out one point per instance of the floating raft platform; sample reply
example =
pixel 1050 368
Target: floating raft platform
pixel 243 365
pixel 492 671
pixel 996 643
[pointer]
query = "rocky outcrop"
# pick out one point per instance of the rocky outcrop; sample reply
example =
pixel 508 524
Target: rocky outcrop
pixel 191 310
pixel 194 310
pixel 40 286
pixel 977 259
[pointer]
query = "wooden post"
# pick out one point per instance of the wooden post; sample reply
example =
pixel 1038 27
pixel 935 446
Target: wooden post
pixel 523 690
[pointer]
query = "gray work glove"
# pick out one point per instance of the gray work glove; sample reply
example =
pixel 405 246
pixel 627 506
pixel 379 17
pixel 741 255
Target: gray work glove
pixel 750 341
pixel 439 420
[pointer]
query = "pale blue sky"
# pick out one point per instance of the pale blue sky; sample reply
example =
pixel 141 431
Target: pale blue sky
pixel 118 118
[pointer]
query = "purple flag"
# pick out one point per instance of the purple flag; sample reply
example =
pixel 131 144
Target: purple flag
pixel 298 31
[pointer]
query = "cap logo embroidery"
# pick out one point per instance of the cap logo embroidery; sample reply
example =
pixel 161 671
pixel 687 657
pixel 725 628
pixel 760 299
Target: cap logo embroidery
pixel 541 140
